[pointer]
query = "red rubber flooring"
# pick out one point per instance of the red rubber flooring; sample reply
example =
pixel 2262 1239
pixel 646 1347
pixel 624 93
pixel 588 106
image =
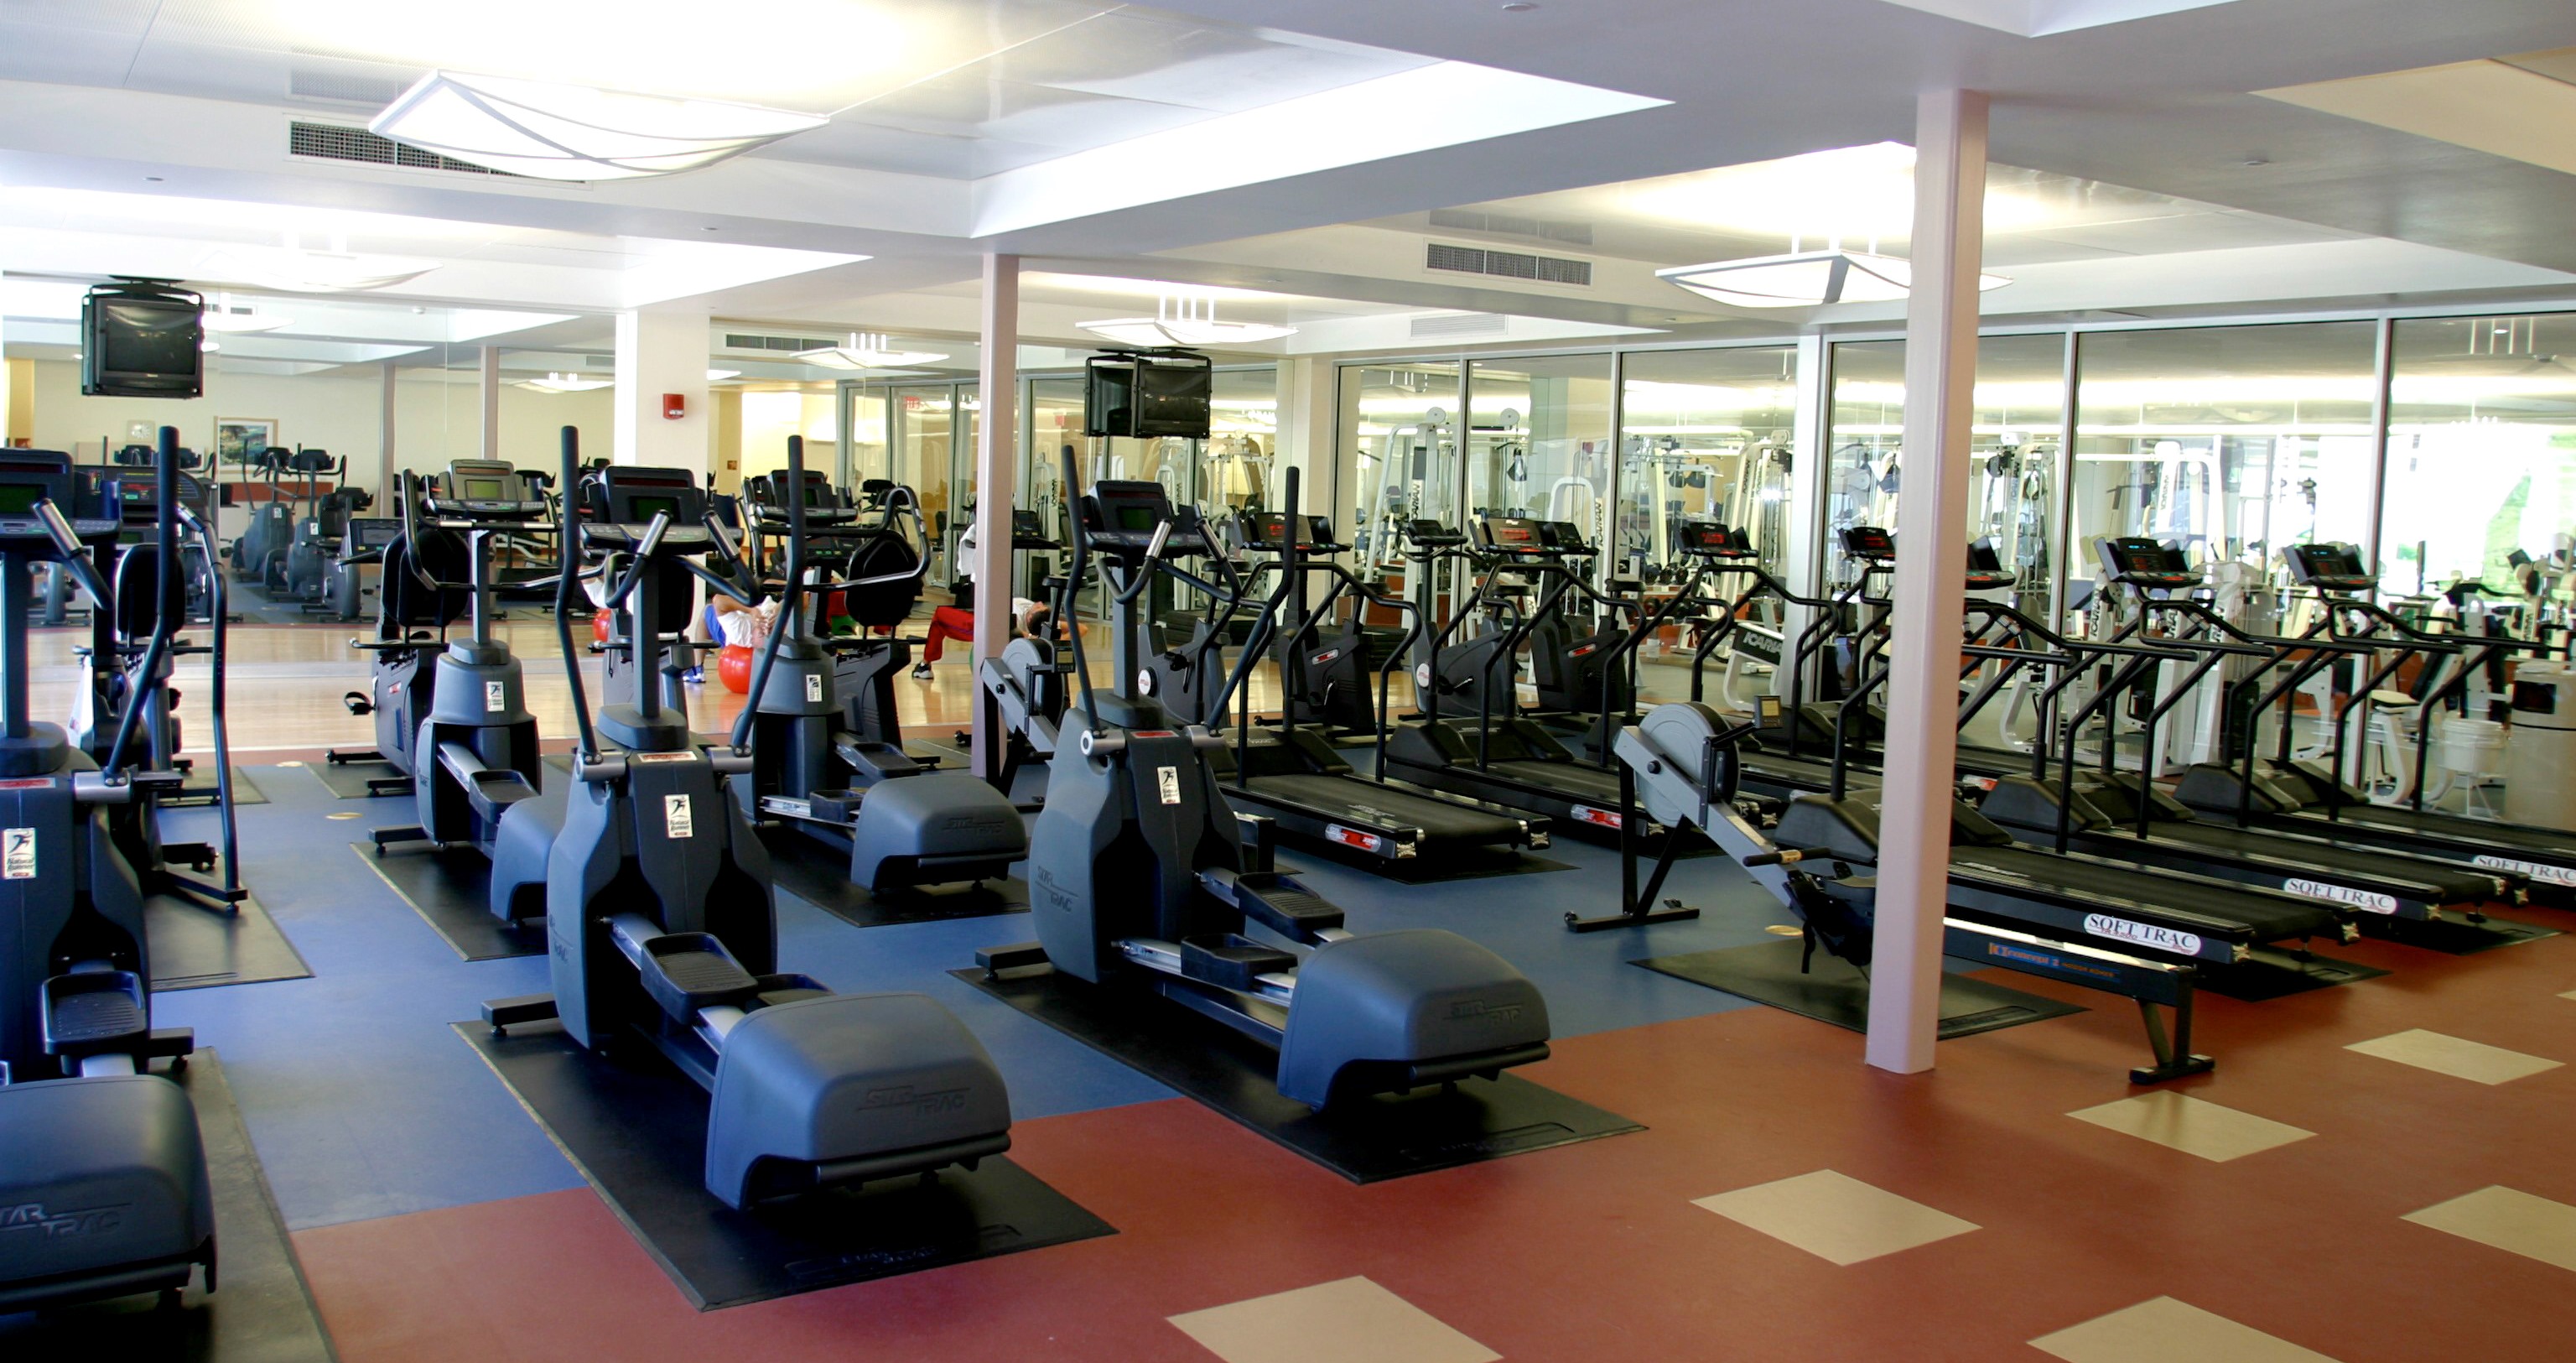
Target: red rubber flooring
pixel 1595 1251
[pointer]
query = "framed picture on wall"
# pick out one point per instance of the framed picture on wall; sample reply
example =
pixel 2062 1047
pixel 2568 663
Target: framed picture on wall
pixel 238 439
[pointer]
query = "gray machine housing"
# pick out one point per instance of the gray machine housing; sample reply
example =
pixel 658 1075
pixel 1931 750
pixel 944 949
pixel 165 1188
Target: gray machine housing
pixel 104 1192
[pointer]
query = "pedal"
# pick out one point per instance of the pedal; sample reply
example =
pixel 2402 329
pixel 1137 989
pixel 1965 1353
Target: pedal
pixel 93 1011
pixel 502 1014
pixel 358 702
pixel 687 972
pixel 1275 900
pixel 1017 956
pixel 1231 961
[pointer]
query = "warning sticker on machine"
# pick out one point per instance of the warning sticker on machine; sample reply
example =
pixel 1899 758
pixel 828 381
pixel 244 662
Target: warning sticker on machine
pixel 496 698
pixel 2145 935
pixel 18 853
pixel 813 688
pixel 676 821
pixel 1352 837
pixel 2370 901
pixel 2546 875
pixel 1602 818
pixel 1168 781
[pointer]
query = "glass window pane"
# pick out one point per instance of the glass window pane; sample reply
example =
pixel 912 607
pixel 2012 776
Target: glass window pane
pixel 1402 421
pixel 1705 436
pixel 1538 440
pixel 2229 441
pixel 2482 456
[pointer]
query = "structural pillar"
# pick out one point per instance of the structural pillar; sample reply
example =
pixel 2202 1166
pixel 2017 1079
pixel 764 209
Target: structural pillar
pixel 662 353
pixel 385 440
pixel 491 402
pixel 1931 571
pixel 1809 458
pixel 996 491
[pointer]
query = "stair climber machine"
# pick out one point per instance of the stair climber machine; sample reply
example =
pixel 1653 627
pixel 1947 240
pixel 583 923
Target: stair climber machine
pixel 899 824
pixel 102 1169
pixel 1487 748
pixel 289 543
pixel 1292 772
pixel 1026 684
pixel 474 754
pixel 2310 798
pixel 659 916
pixel 1326 678
pixel 1682 760
pixel 2122 814
pixel 319 540
pixel 1141 879
pixel 264 538
pixel 129 706
pixel 345 573
pixel 413 613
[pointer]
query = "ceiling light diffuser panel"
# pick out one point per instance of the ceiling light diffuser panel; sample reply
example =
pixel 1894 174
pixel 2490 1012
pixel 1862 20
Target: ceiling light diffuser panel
pixel 575 132
pixel 293 271
pixel 1187 320
pixel 1807 279
pixel 867 352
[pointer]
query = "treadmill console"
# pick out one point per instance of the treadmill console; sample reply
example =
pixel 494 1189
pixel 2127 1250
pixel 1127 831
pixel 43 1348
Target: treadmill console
pixel 2330 567
pixel 1869 544
pixel 1268 531
pixel 1565 537
pixel 370 533
pixel 1430 534
pixel 1122 516
pixel 484 490
pixel 1514 535
pixel 768 494
pixel 32 478
pixel 2142 562
pixel 1029 532
pixel 1986 570
pixel 624 499
pixel 1711 539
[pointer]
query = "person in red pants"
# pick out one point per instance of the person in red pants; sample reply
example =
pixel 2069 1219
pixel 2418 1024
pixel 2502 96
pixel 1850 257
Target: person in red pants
pixel 946 623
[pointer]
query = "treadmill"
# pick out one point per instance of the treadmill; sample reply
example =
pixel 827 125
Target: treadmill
pixel 1292 773
pixel 2313 801
pixel 2121 816
pixel 1499 754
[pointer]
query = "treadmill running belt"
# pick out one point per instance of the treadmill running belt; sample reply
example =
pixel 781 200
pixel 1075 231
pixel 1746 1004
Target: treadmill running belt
pixel 2269 917
pixel 1439 820
pixel 2451 884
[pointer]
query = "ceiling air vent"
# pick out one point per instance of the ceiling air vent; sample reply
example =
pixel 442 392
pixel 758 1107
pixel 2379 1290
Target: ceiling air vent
pixel 1450 324
pixel 1506 264
pixel 1505 225
pixel 340 142
pixel 784 345
pixel 345 88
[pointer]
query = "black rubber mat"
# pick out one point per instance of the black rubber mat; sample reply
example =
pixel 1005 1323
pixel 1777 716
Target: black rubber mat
pixel 1475 863
pixel 2453 934
pixel 819 875
pixel 200 790
pixel 260 1312
pixel 197 948
pixel 448 891
pixel 2272 973
pixel 1834 991
pixel 348 780
pixel 639 1136
pixel 1380 1138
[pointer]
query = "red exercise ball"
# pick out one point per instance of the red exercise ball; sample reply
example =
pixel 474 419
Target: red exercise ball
pixel 602 625
pixel 733 667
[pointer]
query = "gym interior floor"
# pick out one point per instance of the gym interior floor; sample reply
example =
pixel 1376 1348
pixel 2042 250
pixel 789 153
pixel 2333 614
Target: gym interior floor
pixel 2372 1173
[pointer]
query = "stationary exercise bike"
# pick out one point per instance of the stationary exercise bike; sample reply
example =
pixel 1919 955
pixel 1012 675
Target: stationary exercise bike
pixel 475 754
pixel 659 921
pixel 103 1183
pixel 1140 879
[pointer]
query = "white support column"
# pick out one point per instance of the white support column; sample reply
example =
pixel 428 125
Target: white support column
pixel 385 440
pixel 996 439
pixel 1931 568
pixel 491 402
pixel 1809 458
pixel 658 353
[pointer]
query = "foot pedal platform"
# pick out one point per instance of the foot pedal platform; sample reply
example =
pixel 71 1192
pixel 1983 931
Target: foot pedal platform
pixel 1231 961
pixel 1017 956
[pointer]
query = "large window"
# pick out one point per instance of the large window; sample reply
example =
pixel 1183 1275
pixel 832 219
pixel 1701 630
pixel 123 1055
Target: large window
pixel 1538 440
pixel 2481 454
pixel 1402 423
pixel 2230 441
pixel 1705 435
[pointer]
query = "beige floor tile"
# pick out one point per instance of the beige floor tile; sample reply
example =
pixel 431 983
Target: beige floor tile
pixel 1352 1320
pixel 2533 1227
pixel 1836 1217
pixel 2570 994
pixel 2169 1331
pixel 2190 1125
pixel 2454 1056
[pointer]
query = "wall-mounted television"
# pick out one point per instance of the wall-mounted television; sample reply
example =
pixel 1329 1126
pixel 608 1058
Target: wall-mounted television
pixel 1148 394
pixel 143 338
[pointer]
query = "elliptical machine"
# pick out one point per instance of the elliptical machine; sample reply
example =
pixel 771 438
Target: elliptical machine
pixel 901 824
pixel 104 1175
pixel 1140 879
pixel 475 754
pixel 659 920
pixel 413 612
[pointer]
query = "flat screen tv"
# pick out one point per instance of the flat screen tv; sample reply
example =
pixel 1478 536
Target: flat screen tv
pixel 142 338
pixel 1145 395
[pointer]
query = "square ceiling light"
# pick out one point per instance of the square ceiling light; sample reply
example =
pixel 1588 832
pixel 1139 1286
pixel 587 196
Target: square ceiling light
pixel 1806 279
pixel 574 132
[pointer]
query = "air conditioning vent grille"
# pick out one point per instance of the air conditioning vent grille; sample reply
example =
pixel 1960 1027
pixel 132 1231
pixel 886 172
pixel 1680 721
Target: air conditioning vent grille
pixel 1459 324
pixel 785 345
pixel 340 142
pixel 1506 264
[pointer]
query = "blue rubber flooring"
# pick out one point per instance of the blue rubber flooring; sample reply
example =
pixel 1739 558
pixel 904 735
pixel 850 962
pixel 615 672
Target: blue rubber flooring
pixel 363 1103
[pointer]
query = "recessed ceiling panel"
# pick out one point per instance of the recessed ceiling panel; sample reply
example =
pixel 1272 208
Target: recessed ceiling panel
pixel 2504 108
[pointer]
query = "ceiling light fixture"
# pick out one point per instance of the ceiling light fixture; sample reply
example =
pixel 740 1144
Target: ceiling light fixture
pixel 1805 279
pixel 720 375
pixel 575 132
pixel 867 351
pixel 1185 320
pixel 566 383
pixel 295 271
